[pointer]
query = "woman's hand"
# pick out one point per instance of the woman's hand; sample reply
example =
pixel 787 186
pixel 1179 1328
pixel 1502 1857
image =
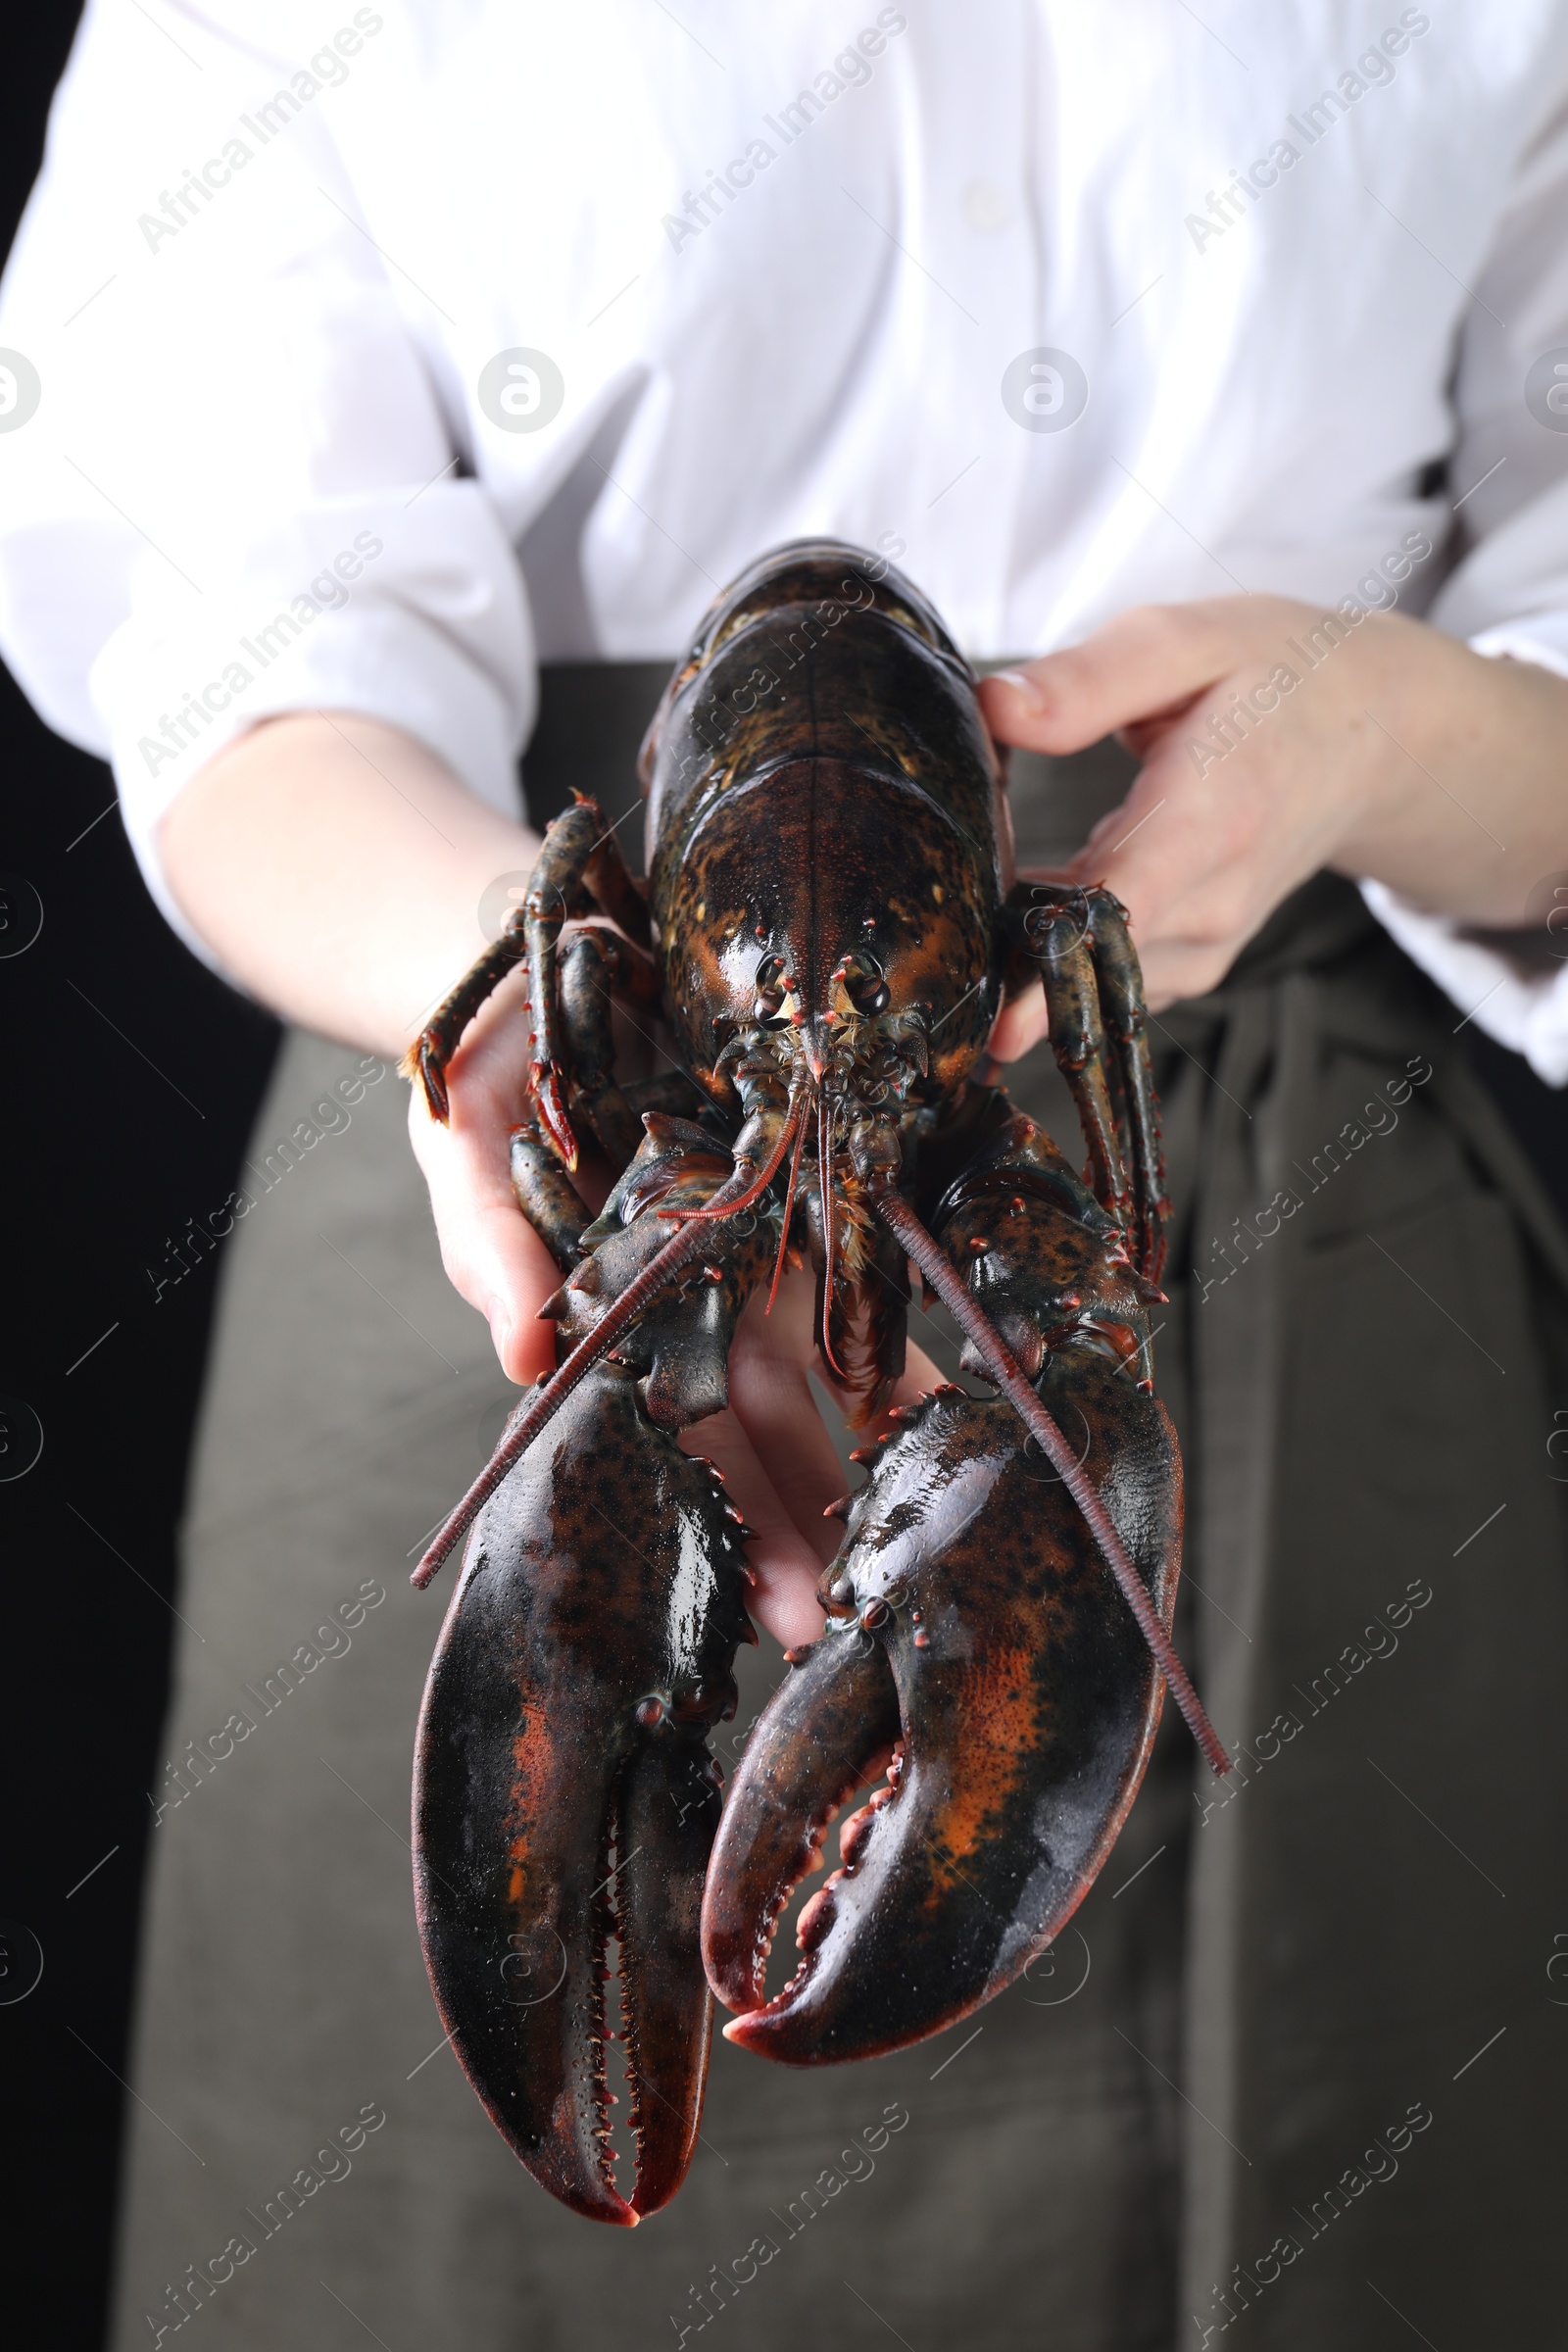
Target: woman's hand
pixel 1277 739
pixel 492 1255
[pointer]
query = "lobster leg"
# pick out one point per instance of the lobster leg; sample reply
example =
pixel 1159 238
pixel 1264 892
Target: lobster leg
pixel 1121 989
pixel 427 1057
pixel 1079 943
pixel 580 866
pixel 546 1195
pixel 595 962
pixel 580 870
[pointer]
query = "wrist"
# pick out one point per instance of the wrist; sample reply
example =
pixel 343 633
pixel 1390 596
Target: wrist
pixel 1465 805
pixel 340 872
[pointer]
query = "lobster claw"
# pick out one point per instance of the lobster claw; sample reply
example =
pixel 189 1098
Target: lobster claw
pixel 990 1641
pixel 564 1793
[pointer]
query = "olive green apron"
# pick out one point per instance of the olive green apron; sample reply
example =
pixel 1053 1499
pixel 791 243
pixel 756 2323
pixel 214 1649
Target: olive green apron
pixel 1292 2071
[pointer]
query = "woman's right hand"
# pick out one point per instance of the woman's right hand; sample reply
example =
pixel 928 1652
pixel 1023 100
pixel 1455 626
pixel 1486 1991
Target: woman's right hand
pixel 492 1255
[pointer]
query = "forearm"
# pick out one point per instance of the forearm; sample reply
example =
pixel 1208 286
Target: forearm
pixel 335 868
pixel 1474 755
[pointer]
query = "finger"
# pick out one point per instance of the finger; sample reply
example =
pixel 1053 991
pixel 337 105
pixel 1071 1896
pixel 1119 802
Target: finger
pixel 1177 970
pixel 1154 846
pixel 1150 852
pixel 1183 849
pixel 785 1567
pixel 492 1255
pixel 1151 660
pixel 771 1394
pixel 1019 1025
pixel 787 1558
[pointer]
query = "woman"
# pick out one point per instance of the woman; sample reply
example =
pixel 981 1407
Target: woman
pixel 1185 363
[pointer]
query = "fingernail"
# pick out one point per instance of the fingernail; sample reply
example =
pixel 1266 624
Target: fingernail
pixel 1024 685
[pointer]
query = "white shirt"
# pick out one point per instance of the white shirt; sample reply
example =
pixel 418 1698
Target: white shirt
pixel 777 265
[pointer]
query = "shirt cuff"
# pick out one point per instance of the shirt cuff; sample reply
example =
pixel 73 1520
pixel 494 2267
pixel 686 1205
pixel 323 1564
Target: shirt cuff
pixel 1543 639
pixel 1528 1015
pixel 418 618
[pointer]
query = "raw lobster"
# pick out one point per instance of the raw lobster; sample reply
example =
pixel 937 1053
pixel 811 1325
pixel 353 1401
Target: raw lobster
pixel 828 930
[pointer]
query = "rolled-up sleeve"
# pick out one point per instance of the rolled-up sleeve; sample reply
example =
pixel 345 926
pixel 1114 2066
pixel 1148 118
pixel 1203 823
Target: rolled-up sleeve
pixel 1507 590
pixel 237 495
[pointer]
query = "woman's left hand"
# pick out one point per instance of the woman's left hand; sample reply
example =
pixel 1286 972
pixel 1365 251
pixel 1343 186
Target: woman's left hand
pixel 1276 740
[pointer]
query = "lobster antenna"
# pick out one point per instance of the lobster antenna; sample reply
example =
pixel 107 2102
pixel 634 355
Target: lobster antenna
pixel 825 1188
pixel 789 1206
pixel 715 1210
pixel 678 1251
pixel 972 1321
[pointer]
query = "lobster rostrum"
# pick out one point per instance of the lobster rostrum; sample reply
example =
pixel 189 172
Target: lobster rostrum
pixel 829 928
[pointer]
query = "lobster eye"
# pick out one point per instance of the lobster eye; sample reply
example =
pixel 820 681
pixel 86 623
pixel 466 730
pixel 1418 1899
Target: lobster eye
pixel 867 991
pixel 770 977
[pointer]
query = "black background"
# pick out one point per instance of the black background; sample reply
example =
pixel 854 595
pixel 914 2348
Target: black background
pixel 131 1079
pixel 114 1135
